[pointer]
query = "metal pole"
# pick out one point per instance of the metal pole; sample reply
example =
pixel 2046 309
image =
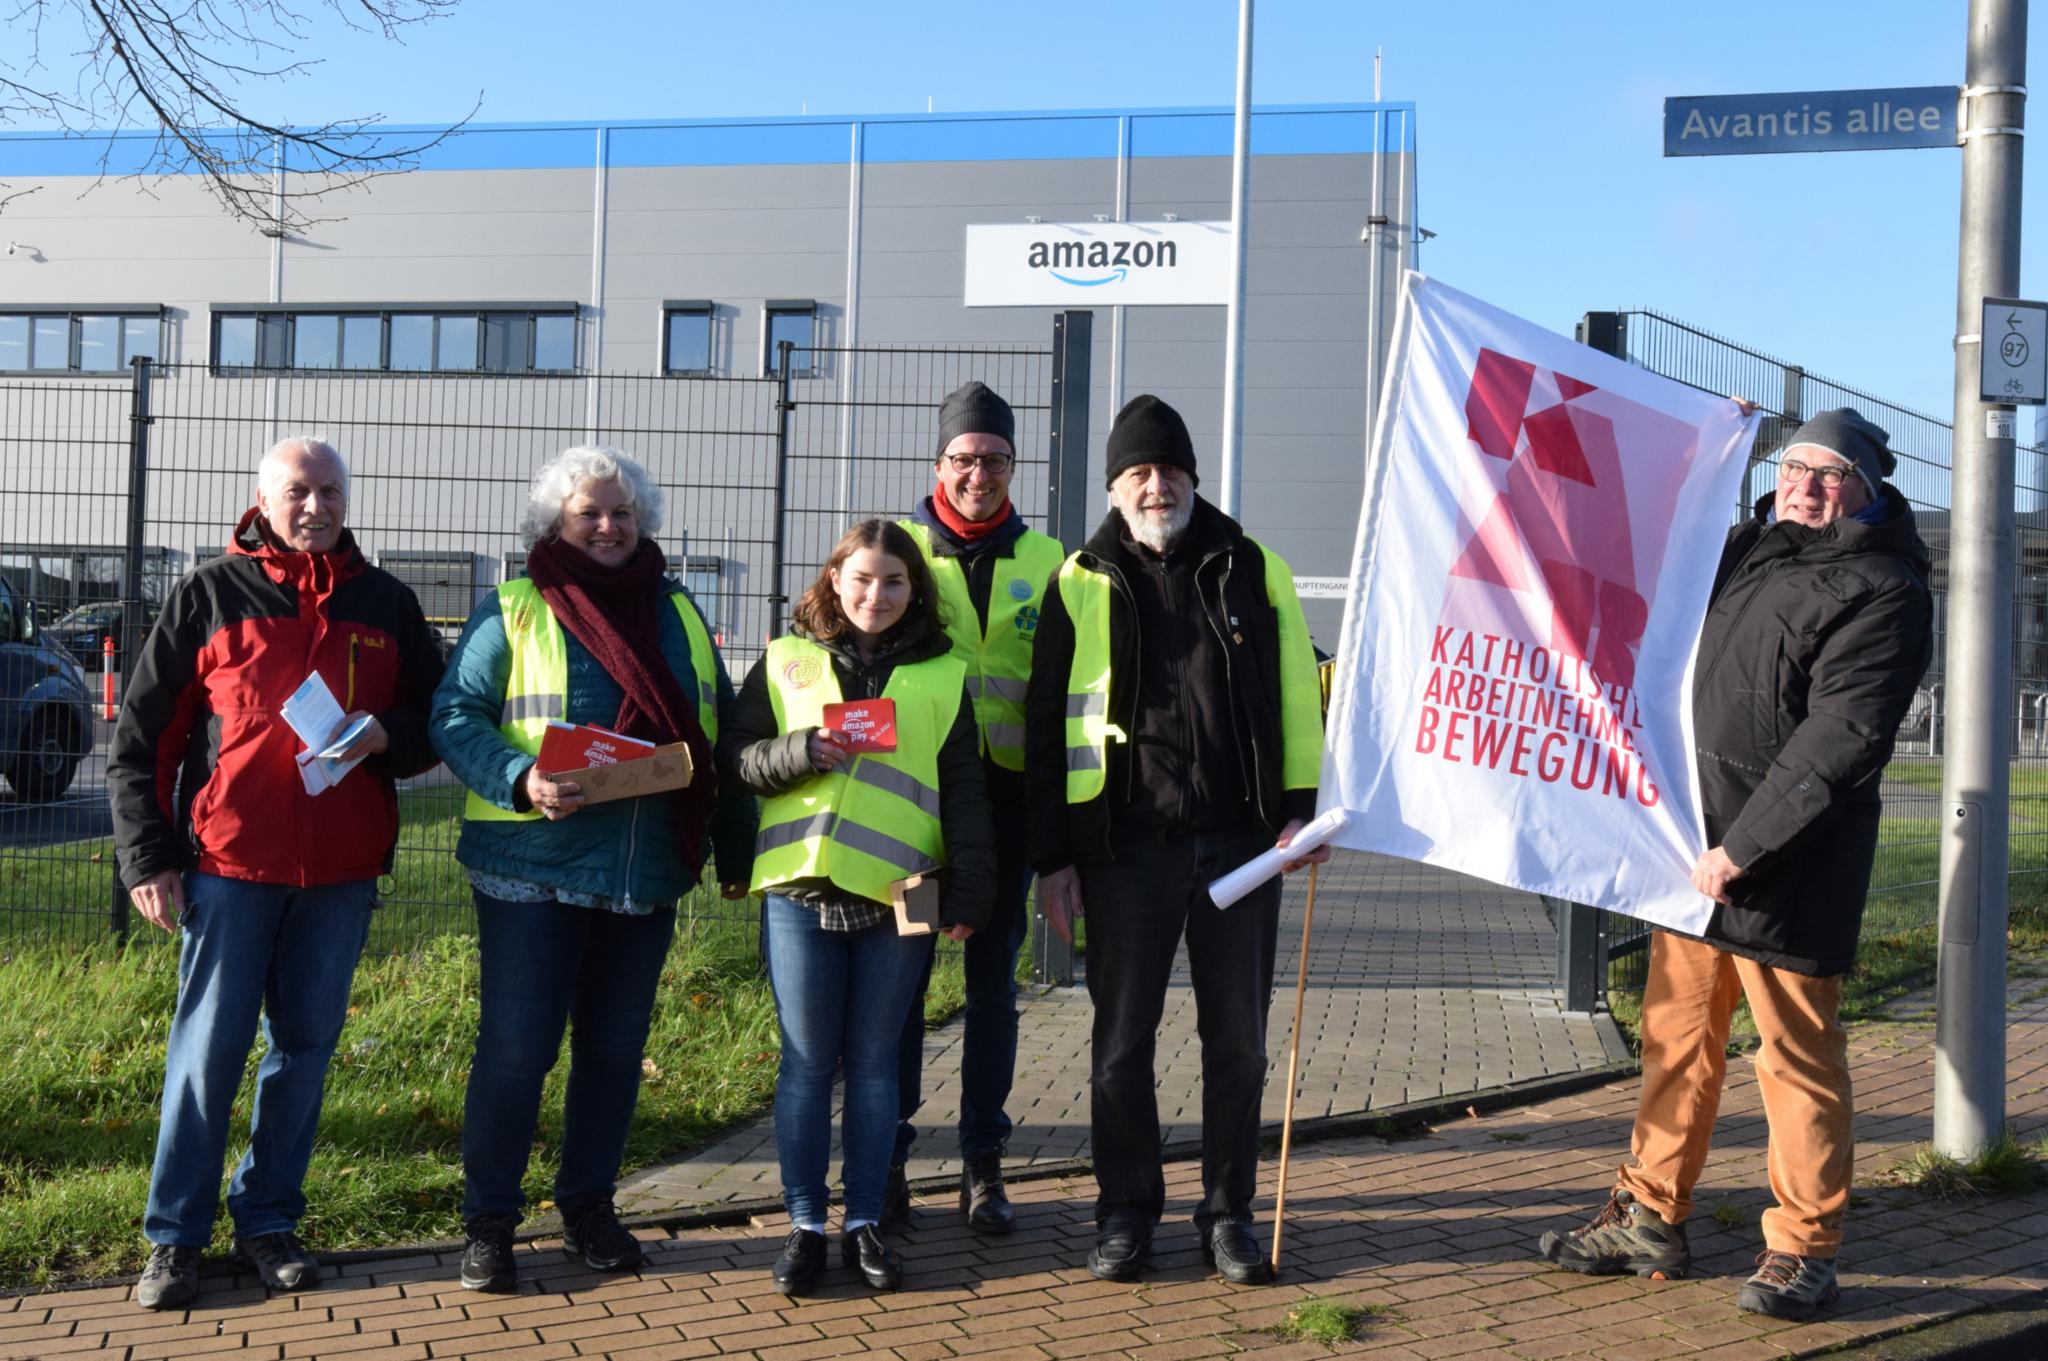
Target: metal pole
pixel 1969 1035
pixel 139 421
pixel 1240 229
pixel 778 550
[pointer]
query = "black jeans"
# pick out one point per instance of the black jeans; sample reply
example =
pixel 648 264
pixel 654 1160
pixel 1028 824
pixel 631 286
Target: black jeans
pixel 1138 906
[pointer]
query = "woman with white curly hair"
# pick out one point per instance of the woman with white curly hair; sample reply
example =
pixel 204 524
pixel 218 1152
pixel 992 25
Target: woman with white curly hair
pixel 576 902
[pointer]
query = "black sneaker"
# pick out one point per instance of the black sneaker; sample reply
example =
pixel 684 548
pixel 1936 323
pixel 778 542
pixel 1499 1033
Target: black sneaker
pixel 604 1244
pixel 865 1250
pixel 487 1259
pixel 170 1279
pixel 982 1197
pixel 1789 1286
pixel 1624 1236
pixel 896 1196
pixel 281 1261
pixel 802 1262
pixel 1123 1245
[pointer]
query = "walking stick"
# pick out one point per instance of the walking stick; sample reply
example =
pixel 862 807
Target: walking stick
pixel 1308 918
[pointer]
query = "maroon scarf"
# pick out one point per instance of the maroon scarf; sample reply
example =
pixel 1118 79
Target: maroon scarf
pixel 615 613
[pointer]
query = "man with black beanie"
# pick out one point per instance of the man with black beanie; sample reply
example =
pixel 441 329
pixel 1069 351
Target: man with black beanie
pixel 1173 731
pixel 991 572
pixel 1818 630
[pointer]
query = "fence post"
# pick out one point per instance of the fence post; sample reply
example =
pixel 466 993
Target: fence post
pixel 139 421
pixel 1066 505
pixel 1066 488
pixel 778 551
pixel 1581 962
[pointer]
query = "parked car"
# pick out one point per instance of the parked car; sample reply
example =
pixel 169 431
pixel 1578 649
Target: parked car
pixel 83 632
pixel 45 707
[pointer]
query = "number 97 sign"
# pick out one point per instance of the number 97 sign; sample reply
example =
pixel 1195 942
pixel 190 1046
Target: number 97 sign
pixel 2014 365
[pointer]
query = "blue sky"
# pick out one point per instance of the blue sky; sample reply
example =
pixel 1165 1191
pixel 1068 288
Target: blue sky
pixel 1538 128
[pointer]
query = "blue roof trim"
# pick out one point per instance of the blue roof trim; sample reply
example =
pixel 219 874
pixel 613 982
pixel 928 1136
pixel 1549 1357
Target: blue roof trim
pixel 1086 134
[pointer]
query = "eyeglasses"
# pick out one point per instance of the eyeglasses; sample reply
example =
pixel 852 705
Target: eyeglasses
pixel 1831 475
pixel 995 465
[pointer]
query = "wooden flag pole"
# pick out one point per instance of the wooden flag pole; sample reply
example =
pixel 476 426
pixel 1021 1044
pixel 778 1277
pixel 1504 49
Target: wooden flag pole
pixel 1308 918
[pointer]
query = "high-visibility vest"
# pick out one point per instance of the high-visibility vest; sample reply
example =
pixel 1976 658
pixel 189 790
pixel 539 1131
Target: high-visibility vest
pixel 538 688
pixel 998 653
pixel 875 819
pixel 1086 595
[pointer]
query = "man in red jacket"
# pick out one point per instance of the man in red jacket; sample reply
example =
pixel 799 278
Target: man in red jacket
pixel 218 832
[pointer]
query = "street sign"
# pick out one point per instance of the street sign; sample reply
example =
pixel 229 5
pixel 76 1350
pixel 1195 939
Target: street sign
pixel 2012 366
pixel 1811 120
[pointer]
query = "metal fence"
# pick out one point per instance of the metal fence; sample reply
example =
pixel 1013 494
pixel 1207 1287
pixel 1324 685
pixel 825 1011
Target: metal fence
pixel 110 490
pixel 1904 882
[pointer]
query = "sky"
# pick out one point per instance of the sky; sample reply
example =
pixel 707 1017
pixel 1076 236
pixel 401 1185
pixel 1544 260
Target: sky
pixel 1538 128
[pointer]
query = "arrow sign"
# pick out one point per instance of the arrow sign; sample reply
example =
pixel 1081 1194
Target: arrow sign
pixel 2012 366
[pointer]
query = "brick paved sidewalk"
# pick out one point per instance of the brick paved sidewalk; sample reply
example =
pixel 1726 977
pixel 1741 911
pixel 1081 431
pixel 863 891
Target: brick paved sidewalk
pixel 1432 1233
pixel 1422 984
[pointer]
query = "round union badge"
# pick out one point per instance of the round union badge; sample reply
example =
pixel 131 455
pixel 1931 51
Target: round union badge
pixel 1020 589
pixel 803 673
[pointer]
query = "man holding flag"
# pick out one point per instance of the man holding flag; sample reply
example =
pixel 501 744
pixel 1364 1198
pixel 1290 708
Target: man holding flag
pixel 1173 732
pixel 1819 629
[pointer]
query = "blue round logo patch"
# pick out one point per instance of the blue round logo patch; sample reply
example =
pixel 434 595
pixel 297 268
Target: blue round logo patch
pixel 1020 589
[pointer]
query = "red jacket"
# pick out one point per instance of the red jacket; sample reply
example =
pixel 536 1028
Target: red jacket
pixel 203 771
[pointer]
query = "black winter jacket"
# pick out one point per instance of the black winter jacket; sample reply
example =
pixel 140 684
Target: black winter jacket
pixel 1230 582
pixel 755 753
pixel 1813 644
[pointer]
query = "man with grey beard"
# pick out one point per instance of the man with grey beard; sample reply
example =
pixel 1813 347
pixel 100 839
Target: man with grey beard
pixel 1173 730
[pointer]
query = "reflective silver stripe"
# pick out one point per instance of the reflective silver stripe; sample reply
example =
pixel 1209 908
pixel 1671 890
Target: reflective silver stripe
pixel 519 707
pixel 1005 734
pixel 1085 706
pixel 901 783
pixel 789 833
pixel 883 847
pixel 1083 758
pixel 1002 687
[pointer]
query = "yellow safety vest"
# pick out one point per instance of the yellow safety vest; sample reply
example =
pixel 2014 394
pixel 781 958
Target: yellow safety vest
pixel 875 819
pixel 1086 595
pixel 998 654
pixel 538 688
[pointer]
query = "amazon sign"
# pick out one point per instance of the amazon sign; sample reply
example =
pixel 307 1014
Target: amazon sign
pixel 1099 264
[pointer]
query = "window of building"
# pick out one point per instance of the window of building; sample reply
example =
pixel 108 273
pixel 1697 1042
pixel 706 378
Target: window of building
pixel 793 320
pixel 61 340
pixel 524 338
pixel 686 337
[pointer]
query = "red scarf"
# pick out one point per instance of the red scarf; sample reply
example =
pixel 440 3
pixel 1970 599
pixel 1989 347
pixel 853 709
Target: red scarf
pixel 962 528
pixel 615 613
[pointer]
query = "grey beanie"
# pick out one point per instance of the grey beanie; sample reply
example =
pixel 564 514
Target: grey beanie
pixel 1844 433
pixel 974 408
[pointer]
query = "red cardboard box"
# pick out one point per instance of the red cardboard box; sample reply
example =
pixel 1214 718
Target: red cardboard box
pixel 864 725
pixel 580 746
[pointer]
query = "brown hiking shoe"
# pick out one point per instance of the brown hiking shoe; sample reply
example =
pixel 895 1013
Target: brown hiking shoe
pixel 1624 1236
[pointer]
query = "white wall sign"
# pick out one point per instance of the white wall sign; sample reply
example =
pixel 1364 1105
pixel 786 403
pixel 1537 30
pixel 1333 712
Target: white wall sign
pixel 1098 264
pixel 1322 588
pixel 2013 368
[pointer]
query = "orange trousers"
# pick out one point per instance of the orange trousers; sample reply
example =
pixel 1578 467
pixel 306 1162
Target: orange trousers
pixel 1802 1071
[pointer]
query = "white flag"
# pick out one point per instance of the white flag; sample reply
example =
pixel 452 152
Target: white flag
pixel 1513 690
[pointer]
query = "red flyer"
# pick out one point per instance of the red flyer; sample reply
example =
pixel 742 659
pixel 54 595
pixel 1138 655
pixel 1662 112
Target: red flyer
pixel 579 746
pixel 864 725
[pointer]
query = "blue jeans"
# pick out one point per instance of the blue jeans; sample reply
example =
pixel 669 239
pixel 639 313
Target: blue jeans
pixel 988 1042
pixel 839 1000
pixel 286 953
pixel 547 966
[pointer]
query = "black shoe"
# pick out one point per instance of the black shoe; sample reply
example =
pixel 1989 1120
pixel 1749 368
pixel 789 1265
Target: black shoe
pixel 281 1261
pixel 597 1236
pixel 487 1259
pixel 864 1248
pixel 982 1198
pixel 896 1196
pixel 1123 1245
pixel 1228 1245
pixel 170 1280
pixel 1789 1286
pixel 802 1262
